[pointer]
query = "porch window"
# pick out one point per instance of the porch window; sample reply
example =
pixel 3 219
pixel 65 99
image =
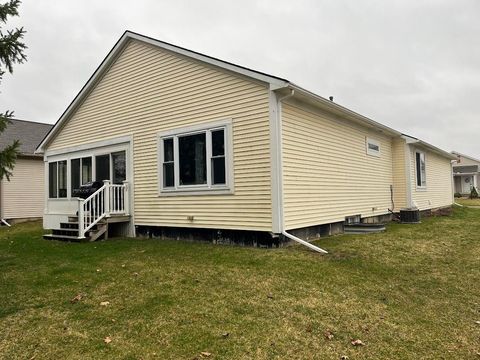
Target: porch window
pixel 195 160
pixel 57 179
pixel 81 171
pixel 420 169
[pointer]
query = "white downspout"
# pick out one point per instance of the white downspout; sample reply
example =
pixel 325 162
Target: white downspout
pixel 280 179
pixel 303 242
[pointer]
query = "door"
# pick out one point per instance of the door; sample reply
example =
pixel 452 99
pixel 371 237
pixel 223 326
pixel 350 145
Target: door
pixel 102 167
pixel 119 167
pixel 467 184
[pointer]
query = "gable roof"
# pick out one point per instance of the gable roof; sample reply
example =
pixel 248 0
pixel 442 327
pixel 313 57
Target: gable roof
pixel 29 133
pixel 274 83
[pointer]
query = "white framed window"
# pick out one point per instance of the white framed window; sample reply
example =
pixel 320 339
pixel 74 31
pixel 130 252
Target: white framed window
pixel 196 159
pixel 57 179
pixel 80 171
pixel 420 169
pixel 372 147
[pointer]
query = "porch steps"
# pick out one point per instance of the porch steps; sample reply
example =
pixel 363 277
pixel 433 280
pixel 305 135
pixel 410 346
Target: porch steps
pixel 363 228
pixel 69 231
pixel 107 204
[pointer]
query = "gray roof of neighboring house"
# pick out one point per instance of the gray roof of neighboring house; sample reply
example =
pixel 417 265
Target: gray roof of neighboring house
pixel 29 133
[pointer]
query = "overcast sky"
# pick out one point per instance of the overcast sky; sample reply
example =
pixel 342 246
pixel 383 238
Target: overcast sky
pixel 413 65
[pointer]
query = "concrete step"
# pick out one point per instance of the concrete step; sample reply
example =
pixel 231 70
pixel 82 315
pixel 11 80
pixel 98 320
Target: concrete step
pixel 362 228
pixel 63 238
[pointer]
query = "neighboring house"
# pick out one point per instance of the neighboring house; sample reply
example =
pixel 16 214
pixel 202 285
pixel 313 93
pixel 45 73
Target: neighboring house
pixel 22 197
pixel 192 142
pixel 465 173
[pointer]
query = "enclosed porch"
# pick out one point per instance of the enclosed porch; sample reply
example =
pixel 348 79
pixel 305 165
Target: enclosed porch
pixel 87 191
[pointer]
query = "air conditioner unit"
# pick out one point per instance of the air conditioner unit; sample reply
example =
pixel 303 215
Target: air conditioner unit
pixel 410 216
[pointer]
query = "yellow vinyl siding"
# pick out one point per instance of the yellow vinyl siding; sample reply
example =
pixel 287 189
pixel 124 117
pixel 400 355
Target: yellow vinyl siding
pixel 438 192
pixel 399 174
pixel 327 174
pixel 23 196
pixel 148 90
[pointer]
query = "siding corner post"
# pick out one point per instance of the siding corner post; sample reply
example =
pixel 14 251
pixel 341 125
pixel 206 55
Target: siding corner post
pixel 275 120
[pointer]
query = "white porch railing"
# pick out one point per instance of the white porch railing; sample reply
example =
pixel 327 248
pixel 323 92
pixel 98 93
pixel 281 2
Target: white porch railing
pixel 110 199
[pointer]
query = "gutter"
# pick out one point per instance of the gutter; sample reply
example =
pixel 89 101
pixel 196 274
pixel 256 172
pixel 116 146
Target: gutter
pixel 339 108
pixel 279 162
pixel 411 140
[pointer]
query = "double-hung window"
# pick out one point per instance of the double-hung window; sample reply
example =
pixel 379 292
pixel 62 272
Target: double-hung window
pixel 420 169
pixel 195 159
pixel 57 179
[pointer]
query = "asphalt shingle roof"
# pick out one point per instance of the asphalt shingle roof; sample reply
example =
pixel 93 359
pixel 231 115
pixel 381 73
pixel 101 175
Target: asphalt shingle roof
pixel 29 133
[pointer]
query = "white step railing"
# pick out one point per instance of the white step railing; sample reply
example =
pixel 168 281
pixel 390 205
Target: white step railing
pixel 110 199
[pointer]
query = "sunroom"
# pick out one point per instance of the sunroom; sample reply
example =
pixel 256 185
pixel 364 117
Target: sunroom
pixel 102 166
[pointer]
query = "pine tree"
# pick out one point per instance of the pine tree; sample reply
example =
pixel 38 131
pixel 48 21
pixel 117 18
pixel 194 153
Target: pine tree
pixel 12 50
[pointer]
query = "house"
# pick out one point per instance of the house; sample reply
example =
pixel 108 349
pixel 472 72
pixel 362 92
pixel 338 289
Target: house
pixel 22 197
pixel 189 145
pixel 465 173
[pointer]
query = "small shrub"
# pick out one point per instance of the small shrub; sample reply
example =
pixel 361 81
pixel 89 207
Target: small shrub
pixel 473 193
pixel 457 195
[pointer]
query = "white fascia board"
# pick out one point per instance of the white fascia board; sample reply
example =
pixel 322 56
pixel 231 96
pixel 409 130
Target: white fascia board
pixel 411 140
pixel 272 81
pixel 332 106
pixel 84 91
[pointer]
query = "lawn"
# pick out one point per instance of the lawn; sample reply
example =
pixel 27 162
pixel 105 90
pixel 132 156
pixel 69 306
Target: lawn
pixel 410 293
pixel 468 202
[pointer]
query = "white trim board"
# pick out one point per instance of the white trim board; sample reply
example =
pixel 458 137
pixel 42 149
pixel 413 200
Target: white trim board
pixel 91 145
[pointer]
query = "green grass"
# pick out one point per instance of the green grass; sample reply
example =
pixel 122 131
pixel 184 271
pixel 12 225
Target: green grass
pixel 468 202
pixel 410 293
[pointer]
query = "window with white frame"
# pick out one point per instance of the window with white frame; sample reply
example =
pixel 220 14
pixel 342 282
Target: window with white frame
pixel 420 169
pixel 194 160
pixel 372 146
pixel 57 179
pixel 80 172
